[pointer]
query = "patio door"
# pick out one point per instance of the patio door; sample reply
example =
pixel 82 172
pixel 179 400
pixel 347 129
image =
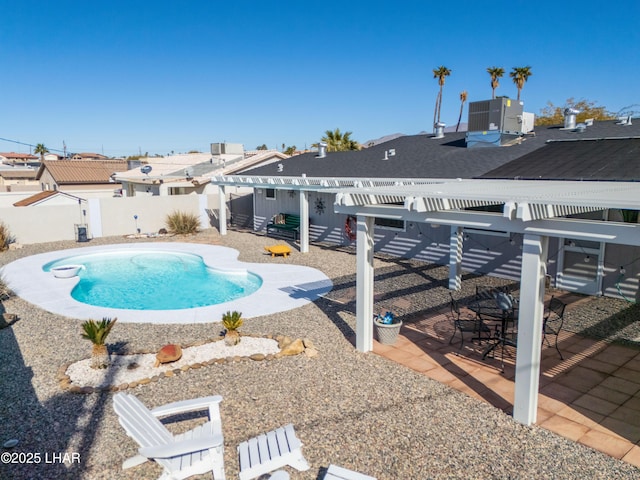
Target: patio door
pixel 580 266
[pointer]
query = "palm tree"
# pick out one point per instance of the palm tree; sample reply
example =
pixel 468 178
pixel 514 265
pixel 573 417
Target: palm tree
pixel 339 142
pixel 463 98
pixel 441 73
pixel 496 73
pixel 520 76
pixel 41 150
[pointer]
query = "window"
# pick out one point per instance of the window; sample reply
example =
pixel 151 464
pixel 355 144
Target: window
pixel 270 193
pixel 389 224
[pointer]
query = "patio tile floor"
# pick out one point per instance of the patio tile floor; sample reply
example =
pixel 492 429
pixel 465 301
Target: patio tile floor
pixel 591 397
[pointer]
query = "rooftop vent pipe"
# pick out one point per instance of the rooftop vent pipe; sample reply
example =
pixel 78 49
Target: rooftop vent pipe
pixel 439 128
pixel 570 118
pixel 322 150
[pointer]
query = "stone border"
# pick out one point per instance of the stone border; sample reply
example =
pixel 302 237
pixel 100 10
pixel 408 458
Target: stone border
pixel 287 347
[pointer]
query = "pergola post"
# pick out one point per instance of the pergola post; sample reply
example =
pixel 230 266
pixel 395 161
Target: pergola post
pixel 304 221
pixel 222 210
pixel 364 284
pixel 455 257
pixel 531 309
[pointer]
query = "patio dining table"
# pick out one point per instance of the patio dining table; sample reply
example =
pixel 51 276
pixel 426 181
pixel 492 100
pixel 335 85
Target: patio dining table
pixel 503 308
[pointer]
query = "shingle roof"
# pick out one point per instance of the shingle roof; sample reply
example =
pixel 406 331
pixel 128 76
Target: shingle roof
pixel 606 159
pixel 82 171
pixel 422 156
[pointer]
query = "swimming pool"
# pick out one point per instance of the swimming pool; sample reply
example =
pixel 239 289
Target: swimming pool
pixel 282 287
pixel 153 280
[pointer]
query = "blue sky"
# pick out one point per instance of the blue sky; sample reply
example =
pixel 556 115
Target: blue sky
pixel 120 77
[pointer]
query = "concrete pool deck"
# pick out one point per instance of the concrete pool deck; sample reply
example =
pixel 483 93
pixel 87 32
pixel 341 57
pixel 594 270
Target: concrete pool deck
pixel 284 287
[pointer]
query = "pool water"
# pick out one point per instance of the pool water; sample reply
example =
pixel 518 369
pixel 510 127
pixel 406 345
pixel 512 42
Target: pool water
pixel 155 281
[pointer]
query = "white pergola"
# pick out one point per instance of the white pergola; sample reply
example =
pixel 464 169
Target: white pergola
pixel 537 210
pixel 531 208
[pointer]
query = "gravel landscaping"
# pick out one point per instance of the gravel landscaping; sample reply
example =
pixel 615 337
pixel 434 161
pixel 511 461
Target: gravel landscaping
pixel 355 410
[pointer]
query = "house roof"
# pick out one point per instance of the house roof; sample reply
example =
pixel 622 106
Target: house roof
pixel 18 173
pixel 423 156
pixel 82 171
pixel 87 155
pixel 172 165
pixel 41 197
pixel 18 156
pixel 576 160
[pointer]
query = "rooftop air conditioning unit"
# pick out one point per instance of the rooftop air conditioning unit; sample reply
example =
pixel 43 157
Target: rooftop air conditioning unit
pixel 500 114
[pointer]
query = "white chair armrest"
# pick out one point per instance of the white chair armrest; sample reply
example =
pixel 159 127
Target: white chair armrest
pixel 182 447
pixel 186 406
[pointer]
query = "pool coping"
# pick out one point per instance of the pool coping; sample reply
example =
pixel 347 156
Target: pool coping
pixel 284 286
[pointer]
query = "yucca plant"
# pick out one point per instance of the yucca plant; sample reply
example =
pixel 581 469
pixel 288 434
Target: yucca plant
pixel 97 333
pixel 232 321
pixel 182 223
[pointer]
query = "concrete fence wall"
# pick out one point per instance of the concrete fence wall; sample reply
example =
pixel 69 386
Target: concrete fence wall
pixel 103 216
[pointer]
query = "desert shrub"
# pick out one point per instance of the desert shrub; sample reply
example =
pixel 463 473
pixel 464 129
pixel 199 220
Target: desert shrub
pixel 182 223
pixel 5 291
pixel 5 237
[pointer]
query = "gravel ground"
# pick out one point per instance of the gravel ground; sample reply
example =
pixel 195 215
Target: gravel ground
pixel 356 410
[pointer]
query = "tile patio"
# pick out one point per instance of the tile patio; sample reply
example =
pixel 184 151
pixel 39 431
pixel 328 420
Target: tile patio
pixel 591 397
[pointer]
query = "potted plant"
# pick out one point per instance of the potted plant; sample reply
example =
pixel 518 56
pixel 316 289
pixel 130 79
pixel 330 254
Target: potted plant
pixel 387 328
pixel 232 321
pixel 97 333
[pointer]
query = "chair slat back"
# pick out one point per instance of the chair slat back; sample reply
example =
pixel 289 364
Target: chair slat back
pixel 139 423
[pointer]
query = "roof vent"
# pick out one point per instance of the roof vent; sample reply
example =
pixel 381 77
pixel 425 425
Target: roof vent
pixel 322 150
pixel 389 153
pixel 570 118
pixel 439 129
pixel 624 120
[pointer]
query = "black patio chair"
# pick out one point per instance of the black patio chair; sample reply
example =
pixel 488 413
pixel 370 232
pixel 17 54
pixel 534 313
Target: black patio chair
pixel 552 322
pixel 471 324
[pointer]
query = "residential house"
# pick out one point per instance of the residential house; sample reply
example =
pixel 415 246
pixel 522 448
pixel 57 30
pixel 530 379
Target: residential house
pixel 88 156
pixel 18 178
pixel 190 173
pixel 80 175
pixel 587 153
pixel 13 158
pixel 50 197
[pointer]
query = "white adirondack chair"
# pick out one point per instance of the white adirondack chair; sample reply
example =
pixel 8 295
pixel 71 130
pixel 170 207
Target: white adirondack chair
pixel 194 452
pixel 269 451
pixel 335 472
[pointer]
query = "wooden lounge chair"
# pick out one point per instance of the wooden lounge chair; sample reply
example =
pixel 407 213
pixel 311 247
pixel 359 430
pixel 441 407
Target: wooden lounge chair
pixel 194 452
pixel 270 451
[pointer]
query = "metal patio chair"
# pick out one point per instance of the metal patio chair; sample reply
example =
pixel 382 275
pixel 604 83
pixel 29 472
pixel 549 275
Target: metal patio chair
pixel 552 322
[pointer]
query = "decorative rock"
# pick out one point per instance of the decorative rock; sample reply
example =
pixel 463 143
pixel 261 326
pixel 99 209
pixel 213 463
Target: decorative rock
pixel 258 356
pixel 168 353
pixel 311 352
pixel 308 343
pixel 293 348
pixel 283 342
